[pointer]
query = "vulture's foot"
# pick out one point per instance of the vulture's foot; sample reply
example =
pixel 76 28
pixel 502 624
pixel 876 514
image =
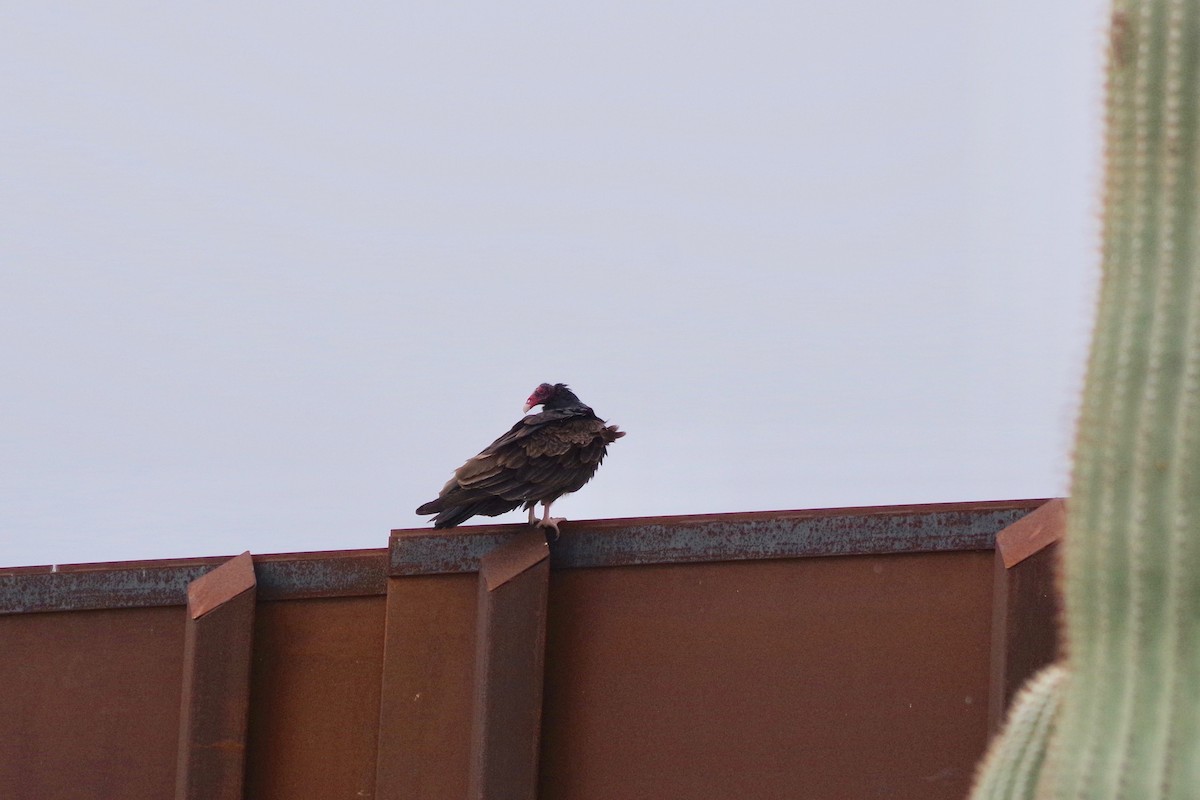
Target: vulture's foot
pixel 552 524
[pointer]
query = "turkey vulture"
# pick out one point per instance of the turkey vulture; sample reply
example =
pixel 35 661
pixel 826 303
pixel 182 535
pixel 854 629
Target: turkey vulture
pixel 543 457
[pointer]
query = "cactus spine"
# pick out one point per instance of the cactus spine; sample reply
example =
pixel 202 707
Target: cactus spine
pixel 1125 714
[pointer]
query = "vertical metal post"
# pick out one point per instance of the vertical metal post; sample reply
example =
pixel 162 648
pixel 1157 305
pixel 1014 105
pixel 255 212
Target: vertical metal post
pixel 1025 604
pixel 216 683
pixel 510 660
pixel 425 703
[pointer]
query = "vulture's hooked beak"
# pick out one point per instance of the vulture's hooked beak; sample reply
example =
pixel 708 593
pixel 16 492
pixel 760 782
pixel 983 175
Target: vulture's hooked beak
pixel 525 408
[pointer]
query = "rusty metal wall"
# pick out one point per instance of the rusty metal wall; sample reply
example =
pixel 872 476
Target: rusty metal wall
pixel 90 703
pixel 315 691
pixel 696 657
pixel 816 678
pixel 425 716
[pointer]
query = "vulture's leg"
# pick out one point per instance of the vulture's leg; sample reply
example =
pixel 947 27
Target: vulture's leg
pixel 548 521
pixel 532 520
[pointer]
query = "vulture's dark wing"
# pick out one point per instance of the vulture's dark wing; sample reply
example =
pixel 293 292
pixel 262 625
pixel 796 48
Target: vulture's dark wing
pixel 542 457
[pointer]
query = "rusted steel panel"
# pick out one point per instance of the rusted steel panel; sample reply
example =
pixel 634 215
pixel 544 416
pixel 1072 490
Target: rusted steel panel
pixel 721 537
pixel 509 658
pixel 590 543
pixel 431 551
pixel 425 710
pixel 220 586
pixel 78 587
pixel 1033 532
pixel 315 693
pixel 90 703
pixel 830 678
pixel 754 673
pixel 134 584
pixel 308 576
pixel 216 683
pixel 1025 603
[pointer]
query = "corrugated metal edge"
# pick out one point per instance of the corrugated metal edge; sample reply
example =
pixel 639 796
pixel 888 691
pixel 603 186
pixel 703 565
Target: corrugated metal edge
pixel 722 537
pixel 137 584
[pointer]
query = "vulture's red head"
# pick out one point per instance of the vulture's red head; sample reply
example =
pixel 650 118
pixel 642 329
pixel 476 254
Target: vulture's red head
pixel 554 396
pixel 541 394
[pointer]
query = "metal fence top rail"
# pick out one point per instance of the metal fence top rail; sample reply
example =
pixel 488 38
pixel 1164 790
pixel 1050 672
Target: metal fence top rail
pixel 722 537
pixel 139 584
pixel 585 543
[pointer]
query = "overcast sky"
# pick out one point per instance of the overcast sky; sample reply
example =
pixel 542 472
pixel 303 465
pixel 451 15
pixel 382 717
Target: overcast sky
pixel 270 272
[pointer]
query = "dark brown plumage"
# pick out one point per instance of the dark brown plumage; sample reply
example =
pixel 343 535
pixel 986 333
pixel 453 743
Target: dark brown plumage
pixel 542 457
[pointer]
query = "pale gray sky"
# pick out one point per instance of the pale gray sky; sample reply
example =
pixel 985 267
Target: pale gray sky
pixel 269 272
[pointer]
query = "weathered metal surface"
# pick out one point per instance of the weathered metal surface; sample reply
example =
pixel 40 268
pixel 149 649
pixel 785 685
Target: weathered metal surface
pixel 315 693
pixel 511 559
pixel 217 587
pixel 1025 604
pixel 720 666
pixel 136 584
pixel 721 537
pixel 510 654
pixel 651 540
pixel 90 703
pixel 215 700
pixel 425 710
pixel 824 679
pixel 1033 532
pixel 307 576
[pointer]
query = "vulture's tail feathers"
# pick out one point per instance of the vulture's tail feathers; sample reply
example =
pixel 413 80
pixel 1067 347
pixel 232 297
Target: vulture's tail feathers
pixel 432 507
pixel 455 515
pixel 449 516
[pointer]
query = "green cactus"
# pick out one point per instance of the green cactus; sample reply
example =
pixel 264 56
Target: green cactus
pixel 1011 768
pixel 1126 713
